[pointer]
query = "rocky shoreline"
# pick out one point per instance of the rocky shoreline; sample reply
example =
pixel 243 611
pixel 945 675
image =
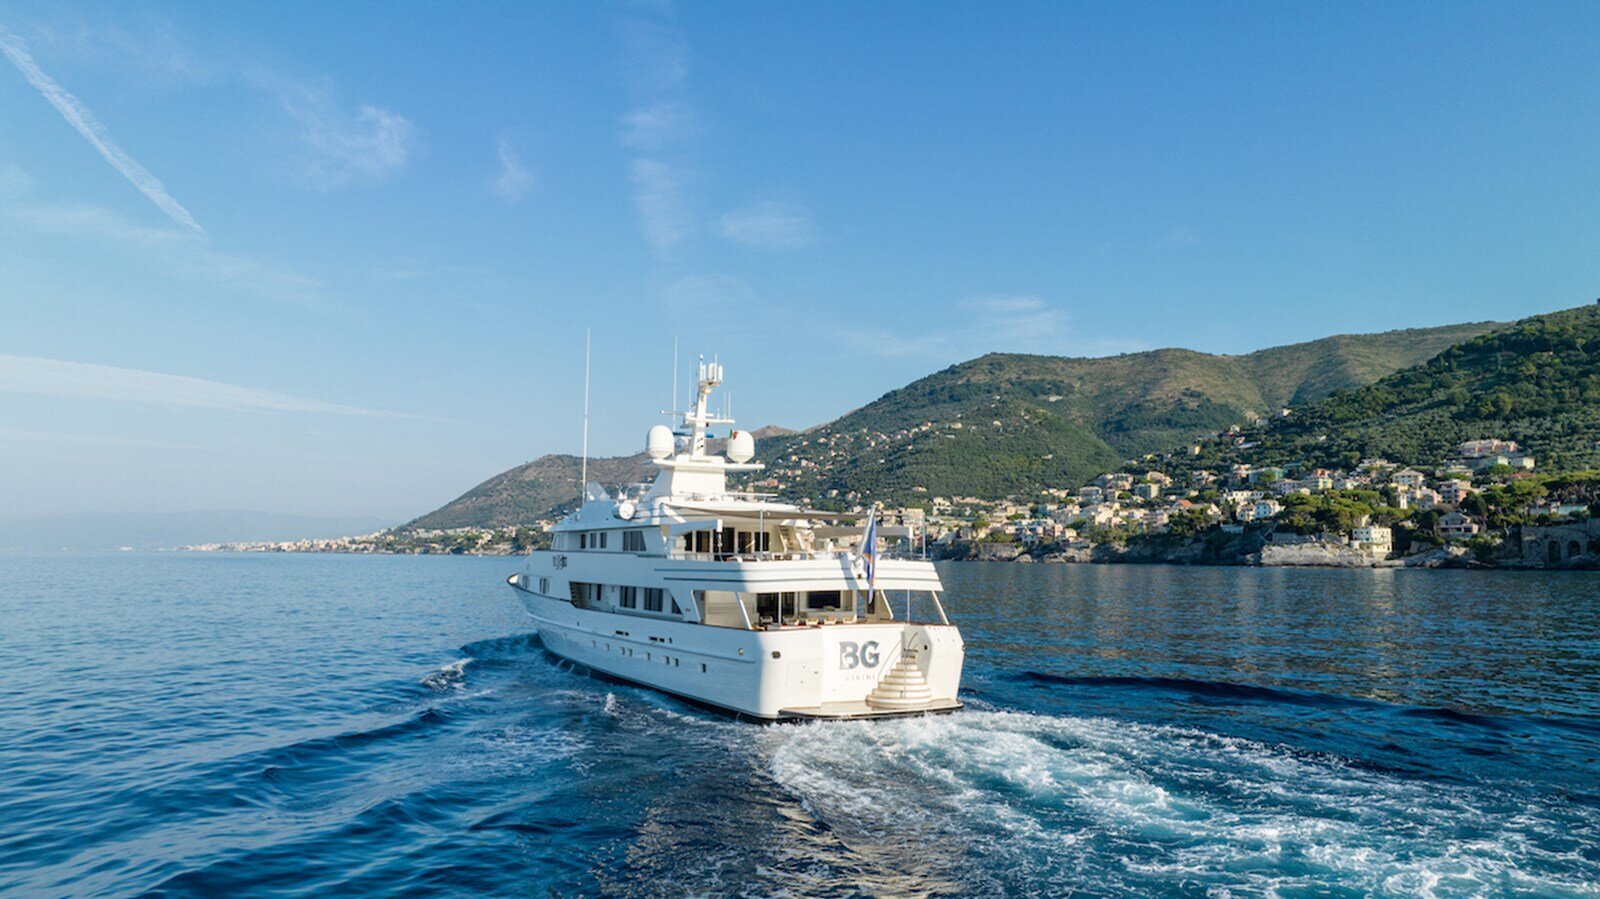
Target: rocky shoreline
pixel 1251 550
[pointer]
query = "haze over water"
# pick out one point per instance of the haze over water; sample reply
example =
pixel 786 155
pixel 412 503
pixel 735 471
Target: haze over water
pixel 287 725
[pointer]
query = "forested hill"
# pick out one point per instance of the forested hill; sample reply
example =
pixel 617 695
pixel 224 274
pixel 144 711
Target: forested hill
pixel 1009 424
pixel 1002 424
pixel 542 487
pixel 1536 382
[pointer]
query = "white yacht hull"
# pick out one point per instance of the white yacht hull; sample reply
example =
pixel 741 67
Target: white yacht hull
pixel 825 671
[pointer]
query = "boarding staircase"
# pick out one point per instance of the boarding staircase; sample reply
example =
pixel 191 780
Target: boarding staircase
pixel 903 688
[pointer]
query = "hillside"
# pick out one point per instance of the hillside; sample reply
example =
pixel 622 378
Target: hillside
pixel 541 487
pixel 1003 424
pixel 530 492
pixel 1010 424
pixel 1536 382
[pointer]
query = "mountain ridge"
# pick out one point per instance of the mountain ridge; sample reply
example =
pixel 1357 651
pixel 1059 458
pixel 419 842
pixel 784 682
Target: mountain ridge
pixel 1002 423
pixel 1535 381
pixel 1007 424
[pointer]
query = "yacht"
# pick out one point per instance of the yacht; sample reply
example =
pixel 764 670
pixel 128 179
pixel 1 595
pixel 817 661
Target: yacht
pixel 736 601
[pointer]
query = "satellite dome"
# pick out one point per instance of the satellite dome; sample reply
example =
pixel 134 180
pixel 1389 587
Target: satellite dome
pixel 659 442
pixel 741 446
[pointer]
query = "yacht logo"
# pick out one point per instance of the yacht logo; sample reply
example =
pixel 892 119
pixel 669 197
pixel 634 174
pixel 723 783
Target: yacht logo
pixel 558 561
pixel 853 655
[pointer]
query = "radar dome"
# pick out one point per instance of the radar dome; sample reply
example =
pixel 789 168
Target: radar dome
pixel 658 443
pixel 741 446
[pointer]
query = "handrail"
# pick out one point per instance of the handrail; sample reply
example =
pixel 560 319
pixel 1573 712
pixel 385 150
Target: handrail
pixel 789 555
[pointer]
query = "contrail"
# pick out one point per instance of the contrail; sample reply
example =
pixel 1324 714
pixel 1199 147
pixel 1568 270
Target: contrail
pixel 79 117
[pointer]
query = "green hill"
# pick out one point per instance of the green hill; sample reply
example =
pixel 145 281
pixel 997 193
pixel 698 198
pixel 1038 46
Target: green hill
pixel 1011 424
pixel 530 492
pixel 539 489
pixel 1536 382
pixel 1002 424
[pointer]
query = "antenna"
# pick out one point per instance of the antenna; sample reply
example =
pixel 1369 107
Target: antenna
pixel 583 477
pixel 673 406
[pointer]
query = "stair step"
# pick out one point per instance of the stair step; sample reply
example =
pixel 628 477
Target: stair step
pixel 902 687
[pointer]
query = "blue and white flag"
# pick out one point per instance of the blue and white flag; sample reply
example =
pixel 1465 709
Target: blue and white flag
pixel 869 549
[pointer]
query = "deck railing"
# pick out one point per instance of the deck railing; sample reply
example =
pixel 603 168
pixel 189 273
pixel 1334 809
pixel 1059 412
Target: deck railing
pixel 793 555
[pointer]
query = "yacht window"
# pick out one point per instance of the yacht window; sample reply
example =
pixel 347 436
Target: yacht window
pixel 746 542
pixel 725 543
pixel 822 599
pixel 675 609
pixel 630 597
pixel 544 585
pixel 583 593
pixel 633 541
pixel 775 606
pixel 652 599
pixel 602 536
pixel 583 540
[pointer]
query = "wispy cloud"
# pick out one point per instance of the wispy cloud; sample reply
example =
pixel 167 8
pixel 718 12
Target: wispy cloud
pixel 80 118
pixel 1016 321
pixel 657 128
pixel 369 149
pixel 180 253
pixel 515 181
pixel 993 323
pixel 79 380
pixel 658 125
pixel 344 149
pixel 769 226
pixel 660 196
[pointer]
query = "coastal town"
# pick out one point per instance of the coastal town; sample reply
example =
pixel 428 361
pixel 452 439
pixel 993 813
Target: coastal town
pixel 1486 506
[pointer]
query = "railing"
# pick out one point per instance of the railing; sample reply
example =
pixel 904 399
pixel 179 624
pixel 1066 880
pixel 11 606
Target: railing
pixel 793 555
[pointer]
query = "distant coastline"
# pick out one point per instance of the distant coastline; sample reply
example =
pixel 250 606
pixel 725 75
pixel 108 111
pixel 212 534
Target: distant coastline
pixel 1566 546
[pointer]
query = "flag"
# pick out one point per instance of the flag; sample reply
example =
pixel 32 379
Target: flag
pixel 869 549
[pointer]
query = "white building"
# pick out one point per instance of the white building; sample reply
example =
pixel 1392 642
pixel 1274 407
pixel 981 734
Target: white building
pixel 1409 478
pixel 1373 538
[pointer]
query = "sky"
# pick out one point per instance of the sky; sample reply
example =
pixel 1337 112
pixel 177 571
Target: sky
pixel 340 258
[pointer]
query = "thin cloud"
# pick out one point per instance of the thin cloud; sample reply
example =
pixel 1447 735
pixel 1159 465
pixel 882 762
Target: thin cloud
pixel 658 69
pixel 79 380
pixel 80 118
pixel 996 323
pixel 370 149
pixel 657 126
pixel 770 226
pixel 661 200
pixel 1003 305
pixel 345 150
pixel 515 181
pixel 180 253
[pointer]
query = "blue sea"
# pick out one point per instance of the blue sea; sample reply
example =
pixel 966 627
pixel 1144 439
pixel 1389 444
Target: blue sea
pixel 206 724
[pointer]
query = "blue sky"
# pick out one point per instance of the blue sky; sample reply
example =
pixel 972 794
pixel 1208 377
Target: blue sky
pixel 338 258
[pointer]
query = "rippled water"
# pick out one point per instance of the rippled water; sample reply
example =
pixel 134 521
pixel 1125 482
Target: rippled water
pixel 207 724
